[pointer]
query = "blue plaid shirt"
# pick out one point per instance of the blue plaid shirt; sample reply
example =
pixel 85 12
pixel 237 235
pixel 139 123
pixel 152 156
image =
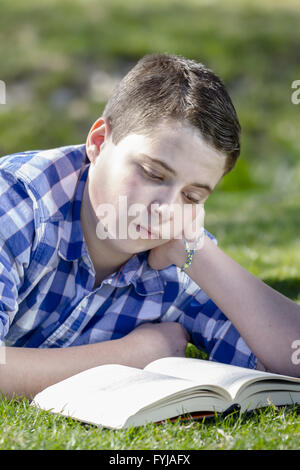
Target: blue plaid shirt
pixel 46 274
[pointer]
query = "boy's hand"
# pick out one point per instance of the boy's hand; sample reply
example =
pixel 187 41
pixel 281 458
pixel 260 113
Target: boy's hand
pixel 173 251
pixel 151 341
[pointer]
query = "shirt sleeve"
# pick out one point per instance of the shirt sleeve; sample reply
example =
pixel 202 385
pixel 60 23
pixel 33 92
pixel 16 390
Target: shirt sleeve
pixel 210 330
pixel 16 235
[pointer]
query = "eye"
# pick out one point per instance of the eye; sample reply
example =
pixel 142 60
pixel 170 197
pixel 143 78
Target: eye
pixel 191 199
pixel 151 174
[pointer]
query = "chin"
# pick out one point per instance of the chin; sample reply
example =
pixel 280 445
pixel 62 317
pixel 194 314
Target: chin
pixel 130 246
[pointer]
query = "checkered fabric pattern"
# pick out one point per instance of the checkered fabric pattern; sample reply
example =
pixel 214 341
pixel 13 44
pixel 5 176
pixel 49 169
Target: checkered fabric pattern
pixel 47 299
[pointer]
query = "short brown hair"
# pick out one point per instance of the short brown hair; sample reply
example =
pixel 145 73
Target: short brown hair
pixel 165 86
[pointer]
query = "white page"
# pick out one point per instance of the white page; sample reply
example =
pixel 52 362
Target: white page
pixel 108 394
pixel 204 372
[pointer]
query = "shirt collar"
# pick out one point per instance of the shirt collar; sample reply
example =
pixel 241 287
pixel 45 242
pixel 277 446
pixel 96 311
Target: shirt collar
pixel 137 271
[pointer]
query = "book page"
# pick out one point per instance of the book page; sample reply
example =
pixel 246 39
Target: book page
pixel 203 372
pixel 109 394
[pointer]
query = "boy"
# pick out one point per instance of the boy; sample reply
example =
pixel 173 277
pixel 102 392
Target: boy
pixel 167 136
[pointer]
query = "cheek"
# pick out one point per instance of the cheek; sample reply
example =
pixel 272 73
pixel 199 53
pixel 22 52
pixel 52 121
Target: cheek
pixel 132 187
pixel 108 183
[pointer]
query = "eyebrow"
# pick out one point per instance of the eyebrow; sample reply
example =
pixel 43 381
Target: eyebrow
pixel 168 168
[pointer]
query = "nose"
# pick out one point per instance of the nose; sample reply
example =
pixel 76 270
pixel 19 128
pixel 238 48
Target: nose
pixel 161 210
pixel 164 201
pixel 163 214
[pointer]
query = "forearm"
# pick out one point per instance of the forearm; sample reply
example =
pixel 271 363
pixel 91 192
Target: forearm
pixel 268 321
pixel 27 371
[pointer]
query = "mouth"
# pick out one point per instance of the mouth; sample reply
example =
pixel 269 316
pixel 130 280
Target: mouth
pixel 146 232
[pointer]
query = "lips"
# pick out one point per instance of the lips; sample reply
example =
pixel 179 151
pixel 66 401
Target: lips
pixel 142 229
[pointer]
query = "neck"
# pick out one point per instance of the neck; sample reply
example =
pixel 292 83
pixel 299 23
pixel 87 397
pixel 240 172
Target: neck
pixel 105 257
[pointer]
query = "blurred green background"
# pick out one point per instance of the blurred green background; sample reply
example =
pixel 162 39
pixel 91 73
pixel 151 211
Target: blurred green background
pixel 60 60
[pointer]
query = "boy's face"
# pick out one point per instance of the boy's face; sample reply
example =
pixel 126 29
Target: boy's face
pixel 172 167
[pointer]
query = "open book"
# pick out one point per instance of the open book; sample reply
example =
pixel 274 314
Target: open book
pixel 117 396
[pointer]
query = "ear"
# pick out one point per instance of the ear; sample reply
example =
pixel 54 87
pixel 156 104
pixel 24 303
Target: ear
pixel 98 134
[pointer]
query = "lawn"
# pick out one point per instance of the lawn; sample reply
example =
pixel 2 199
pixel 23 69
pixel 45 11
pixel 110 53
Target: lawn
pixel 23 428
pixel 60 61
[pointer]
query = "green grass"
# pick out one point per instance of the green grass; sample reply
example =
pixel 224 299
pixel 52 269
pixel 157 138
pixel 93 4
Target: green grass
pixel 49 53
pixel 25 428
